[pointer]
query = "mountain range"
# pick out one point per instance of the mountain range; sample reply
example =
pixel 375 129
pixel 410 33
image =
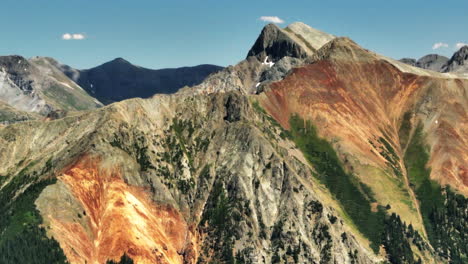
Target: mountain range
pixel 118 79
pixel 44 86
pixel 457 63
pixel 310 150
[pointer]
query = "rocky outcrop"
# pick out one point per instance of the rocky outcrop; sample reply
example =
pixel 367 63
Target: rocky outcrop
pixel 458 62
pixel 297 41
pixel 275 43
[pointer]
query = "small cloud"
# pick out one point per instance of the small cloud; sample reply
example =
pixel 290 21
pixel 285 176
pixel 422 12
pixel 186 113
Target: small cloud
pixel 459 45
pixel 272 19
pixel 68 36
pixel 78 36
pixel 439 45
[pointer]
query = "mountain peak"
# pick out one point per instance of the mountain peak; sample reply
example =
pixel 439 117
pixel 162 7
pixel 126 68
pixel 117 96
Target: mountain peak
pixel 297 40
pixel 12 59
pixel 276 43
pixel 314 37
pixel 120 60
pixel 344 49
pixel 458 62
pixel 15 63
pixel 118 64
pixel 433 62
pixel 461 54
pixel 298 24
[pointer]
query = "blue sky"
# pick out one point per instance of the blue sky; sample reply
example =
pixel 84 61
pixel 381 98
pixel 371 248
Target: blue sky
pixel 159 34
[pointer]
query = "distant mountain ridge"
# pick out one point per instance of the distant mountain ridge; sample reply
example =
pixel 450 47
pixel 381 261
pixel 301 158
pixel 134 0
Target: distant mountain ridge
pixel 119 79
pixel 44 86
pixel 435 62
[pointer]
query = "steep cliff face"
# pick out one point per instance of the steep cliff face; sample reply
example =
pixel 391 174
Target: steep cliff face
pixel 297 40
pixel 458 62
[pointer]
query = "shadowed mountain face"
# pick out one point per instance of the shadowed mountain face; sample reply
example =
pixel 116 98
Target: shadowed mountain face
pixel 291 41
pixel 118 79
pixel 323 153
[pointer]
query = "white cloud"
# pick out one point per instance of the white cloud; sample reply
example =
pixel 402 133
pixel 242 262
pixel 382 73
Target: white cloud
pixel 459 45
pixel 439 45
pixel 78 36
pixel 272 19
pixel 68 36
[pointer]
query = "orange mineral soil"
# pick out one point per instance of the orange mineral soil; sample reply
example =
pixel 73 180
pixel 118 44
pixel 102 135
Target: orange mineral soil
pixel 121 219
pixel 357 102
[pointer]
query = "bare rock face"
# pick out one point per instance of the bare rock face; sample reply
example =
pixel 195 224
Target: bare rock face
pixel 16 85
pixel 458 62
pixel 36 86
pixel 275 43
pixel 432 62
pixel 296 40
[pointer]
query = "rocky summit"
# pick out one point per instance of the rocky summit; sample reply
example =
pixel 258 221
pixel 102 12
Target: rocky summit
pixel 458 62
pixel 311 150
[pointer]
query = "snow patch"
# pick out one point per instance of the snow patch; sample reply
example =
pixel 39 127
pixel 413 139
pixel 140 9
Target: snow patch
pixel 66 84
pixel 266 62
